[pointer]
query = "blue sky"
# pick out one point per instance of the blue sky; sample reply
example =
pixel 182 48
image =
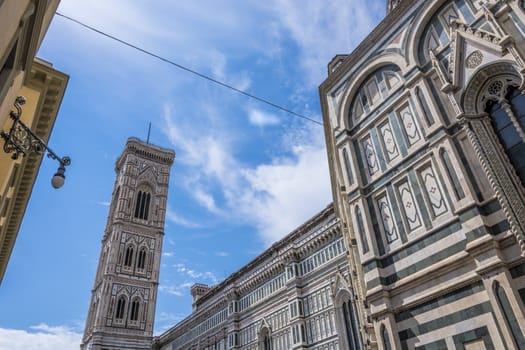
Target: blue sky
pixel 245 174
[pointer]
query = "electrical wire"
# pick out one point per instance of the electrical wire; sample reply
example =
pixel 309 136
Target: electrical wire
pixel 189 70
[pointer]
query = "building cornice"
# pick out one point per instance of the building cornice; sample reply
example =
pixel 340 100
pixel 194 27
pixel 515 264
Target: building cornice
pixel 52 84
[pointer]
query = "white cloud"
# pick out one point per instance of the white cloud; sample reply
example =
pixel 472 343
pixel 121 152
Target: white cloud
pixel 175 218
pixel 168 254
pixel 260 118
pixel 199 277
pixel 323 29
pixel 41 337
pixel 276 196
pixel 175 289
pixel 222 254
pixel 166 320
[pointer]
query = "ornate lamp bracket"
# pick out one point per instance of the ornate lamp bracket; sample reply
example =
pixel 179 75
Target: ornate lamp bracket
pixel 22 140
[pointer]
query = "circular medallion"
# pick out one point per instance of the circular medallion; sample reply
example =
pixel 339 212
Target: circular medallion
pixel 474 59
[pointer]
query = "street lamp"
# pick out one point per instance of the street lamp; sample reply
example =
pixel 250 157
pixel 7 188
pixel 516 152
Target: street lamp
pixel 22 140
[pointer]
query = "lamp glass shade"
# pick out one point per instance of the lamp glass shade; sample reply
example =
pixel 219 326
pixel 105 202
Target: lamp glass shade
pixel 58 180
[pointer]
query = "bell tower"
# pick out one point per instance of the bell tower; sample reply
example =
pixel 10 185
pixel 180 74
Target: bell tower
pixel 122 308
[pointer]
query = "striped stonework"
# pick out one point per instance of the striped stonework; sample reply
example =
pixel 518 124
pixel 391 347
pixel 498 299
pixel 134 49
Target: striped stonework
pixel 438 176
pixel 296 295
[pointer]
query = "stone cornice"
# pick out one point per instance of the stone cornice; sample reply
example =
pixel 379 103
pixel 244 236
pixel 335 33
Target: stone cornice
pixel 317 231
pixel 260 263
pixel 147 151
pixel 52 84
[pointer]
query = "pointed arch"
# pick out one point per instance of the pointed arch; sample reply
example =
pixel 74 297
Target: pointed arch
pixel 134 309
pixel 120 309
pixel 477 91
pixel 129 255
pixel 142 201
pixel 346 314
pixel 265 336
pixel 141 258
pixel 385 338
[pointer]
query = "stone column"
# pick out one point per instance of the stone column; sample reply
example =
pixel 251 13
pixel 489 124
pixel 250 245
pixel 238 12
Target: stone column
pixel 500 173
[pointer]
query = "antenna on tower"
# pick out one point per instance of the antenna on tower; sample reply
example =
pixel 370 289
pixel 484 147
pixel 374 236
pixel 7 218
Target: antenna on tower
pixel 149 131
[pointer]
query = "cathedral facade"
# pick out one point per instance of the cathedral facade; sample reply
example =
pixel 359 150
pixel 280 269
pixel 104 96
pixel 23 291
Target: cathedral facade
pixel 424 126
pixel 423 247
pixel 295 295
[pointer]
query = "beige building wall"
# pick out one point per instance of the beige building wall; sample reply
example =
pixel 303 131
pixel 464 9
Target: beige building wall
pixel 23 24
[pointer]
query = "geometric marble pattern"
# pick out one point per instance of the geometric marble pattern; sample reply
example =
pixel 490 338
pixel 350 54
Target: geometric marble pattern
pixel 389 142
pixel 409 125
pixel 437 201
pixel 370 155
pixel 387 219
pixel 409 206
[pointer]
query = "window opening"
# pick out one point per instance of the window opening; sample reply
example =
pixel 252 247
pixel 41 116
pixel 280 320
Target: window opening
pixel 128 258
pixel 134 312
pixel 141 261
pixel 121 304
pixel 386 338
pixel 506 131
pixel 142 205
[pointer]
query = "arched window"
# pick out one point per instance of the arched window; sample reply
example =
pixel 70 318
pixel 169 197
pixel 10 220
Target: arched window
pixel 134 310
pixel 361 229
pixel 128 257
pixel 510 317
pixel 375 89
pixel 121 305
pixel 386 338
pixel 265 339
pixel 267 342
pixel 141 261
pixel 142 205
pixel 351 325
pixel 508 121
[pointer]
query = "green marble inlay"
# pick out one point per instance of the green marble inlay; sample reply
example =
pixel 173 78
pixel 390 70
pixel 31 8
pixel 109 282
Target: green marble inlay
pixel 445 321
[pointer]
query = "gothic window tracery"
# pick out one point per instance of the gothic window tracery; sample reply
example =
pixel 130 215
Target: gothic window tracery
pixel 141 259
pixel 375 89
pixel 142 204
pixel 134 310
pixel 128 256
pixel 121 307
pixel 266 340
pixel 508 120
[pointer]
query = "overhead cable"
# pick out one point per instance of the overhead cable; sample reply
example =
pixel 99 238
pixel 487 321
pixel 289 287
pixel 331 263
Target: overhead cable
pixel 189 70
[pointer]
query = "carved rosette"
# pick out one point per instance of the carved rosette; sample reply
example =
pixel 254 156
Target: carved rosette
pixel 474 59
